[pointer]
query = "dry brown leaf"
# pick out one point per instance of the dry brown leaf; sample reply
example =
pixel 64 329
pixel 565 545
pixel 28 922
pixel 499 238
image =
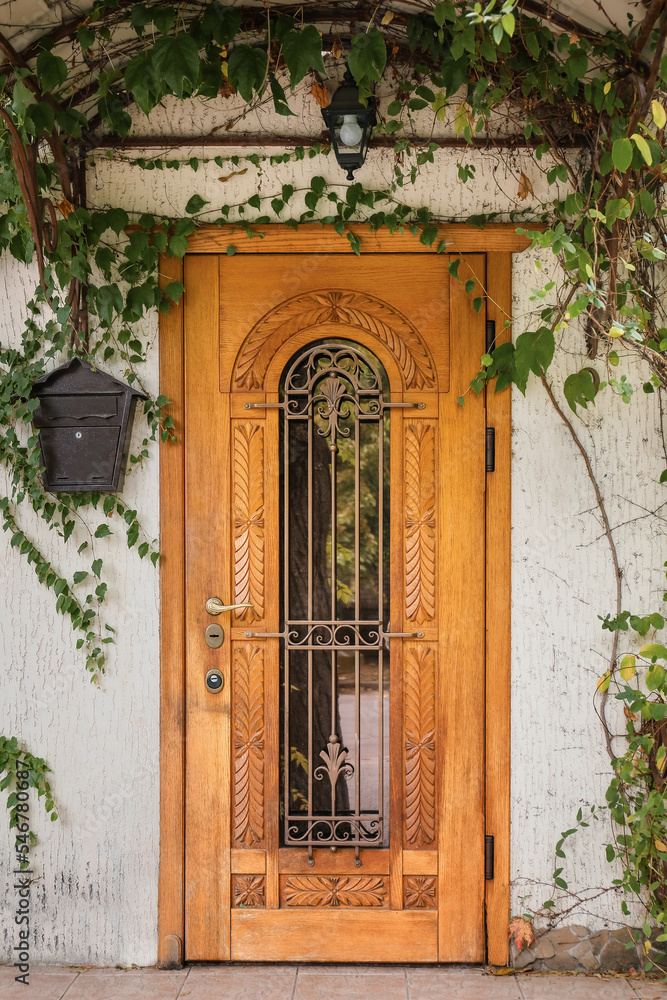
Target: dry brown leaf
pixel 521 932
pixel 388 17
pixel 504 970
pixel 525 188
pixel 65 207
pixel 628 714
pixel 321 94
pixel 336 50
pixel 235 173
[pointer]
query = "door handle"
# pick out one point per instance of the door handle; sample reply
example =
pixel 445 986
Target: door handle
pixel 214 606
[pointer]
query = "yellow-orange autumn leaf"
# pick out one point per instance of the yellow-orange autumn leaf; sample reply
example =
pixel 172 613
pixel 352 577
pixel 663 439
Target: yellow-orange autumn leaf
pixel 321 94
pixel 336 49
pixel 604 681
pixel 628 667
pixel 65 207
pixel 525 188
pixel 236 173
pixel 661 846
pixel 388 17
pixel 521 932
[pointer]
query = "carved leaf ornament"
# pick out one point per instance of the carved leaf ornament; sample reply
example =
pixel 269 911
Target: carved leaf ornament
pixel 358 310
pixel 420 521
pixel 420 746
pixel 249 520
pixel 249 745
pixel 335 890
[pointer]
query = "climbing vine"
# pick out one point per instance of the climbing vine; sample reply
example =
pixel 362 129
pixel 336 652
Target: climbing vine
pixel 588 105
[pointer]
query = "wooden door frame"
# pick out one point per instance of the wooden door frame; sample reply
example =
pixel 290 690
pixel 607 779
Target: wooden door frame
pixel 498 242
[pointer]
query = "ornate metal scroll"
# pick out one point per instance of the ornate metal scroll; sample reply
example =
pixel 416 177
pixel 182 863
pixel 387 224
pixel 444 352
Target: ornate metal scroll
pixel 249 745
pixel 420 521
pixel 353 309
pixel 334 445
pixel 334 890
pixel 249 520
pixel 419 687
pixel 249 891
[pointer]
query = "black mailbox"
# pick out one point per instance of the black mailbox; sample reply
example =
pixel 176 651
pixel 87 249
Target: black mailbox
pixel 84 419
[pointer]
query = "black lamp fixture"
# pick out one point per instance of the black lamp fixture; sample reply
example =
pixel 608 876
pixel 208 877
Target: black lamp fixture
pixel 350 125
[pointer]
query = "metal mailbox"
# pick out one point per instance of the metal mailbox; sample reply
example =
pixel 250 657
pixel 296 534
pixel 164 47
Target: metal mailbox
pixel 84 420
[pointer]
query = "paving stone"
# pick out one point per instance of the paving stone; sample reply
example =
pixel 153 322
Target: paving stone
pixel 584 955
pixel 543 947
pixel 615 957
pixel 582 987
pixel 44 982
pixel 319 986
pixel 563 962
pixel 562 938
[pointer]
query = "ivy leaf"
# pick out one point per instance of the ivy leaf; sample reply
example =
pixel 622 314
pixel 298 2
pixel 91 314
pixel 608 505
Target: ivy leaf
pixel 621 154
pixel 140 17
pixel 51 70
pixel 102 531
pixel 80 576
pixel 247 69
pixel 368 56
pixel 163 18
pixel 221 23
pixel 580 388
pixel 303 51
pixel 85 37
pixel 112 111
pixel 141 82
pixel 39 118
pixel 195 204
pixel 117 219
pixel 176 59
pixel 534 352
pixel 173 291
pixel 279 99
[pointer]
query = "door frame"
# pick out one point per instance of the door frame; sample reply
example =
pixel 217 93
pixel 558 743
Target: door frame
pixel 498 242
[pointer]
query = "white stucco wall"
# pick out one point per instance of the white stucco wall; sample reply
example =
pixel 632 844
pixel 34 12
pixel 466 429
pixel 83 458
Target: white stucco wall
pixel 97 899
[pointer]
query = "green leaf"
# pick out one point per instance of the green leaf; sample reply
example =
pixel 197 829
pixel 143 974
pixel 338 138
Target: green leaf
pixel 279 98
pixel 534 351
pixel 368 56
pixel 102 531
pixel 508 23
pixel 580 389
pixel 142 82
pixel 97 567
pixel 643 147
pixel 176 59
pixel 621 154
pixel 195 204
pixel 247 69
pixel 173 291
pixel 653 650
pixel 303 51
pixel 39 118
pixel 79 576
pixel 221 23
pixel 453 268
pixel 51 70
pixel 86 37
pixel 117 219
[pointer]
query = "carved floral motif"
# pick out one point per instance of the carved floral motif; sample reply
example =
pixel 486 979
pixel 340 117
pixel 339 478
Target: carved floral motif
pixel 419 687
pixel 249 745
pixel 419 892
pixel 420 521
pixel 334 890
pixel 249 520
pixel 249 890
pixel 355 309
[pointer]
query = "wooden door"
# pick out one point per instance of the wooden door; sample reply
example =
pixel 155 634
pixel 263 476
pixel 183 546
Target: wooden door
pixel 256 887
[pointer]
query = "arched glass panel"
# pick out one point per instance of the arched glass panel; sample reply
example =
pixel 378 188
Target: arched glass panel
pixel 335 597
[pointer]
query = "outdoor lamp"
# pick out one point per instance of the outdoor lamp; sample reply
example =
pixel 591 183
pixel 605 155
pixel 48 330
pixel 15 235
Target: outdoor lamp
pixel 350 125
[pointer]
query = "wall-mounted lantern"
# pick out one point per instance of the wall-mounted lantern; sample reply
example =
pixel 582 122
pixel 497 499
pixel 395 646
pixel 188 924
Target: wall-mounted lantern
pixel 84 420
pixel 350 125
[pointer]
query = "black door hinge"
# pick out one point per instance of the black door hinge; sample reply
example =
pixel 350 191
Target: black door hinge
pixel 490 335
pixel 490 449
pixel 489 857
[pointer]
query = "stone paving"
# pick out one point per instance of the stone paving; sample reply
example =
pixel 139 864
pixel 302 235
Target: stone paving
pixel 313 982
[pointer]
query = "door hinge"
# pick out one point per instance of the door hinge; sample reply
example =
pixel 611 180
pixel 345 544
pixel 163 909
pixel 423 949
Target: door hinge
pixel 490 335
pixel 490 449
pixel 489 857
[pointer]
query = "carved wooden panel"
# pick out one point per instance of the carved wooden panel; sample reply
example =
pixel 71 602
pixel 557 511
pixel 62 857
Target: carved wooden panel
pixel 419 892
pixel 349 308
pixel 420 521
pixel 419 722
pixel 249 520
pixel 334 890
pixel 248 745
pixel 249 891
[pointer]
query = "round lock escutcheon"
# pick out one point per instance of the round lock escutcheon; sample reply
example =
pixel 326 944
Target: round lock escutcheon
pixel 214 681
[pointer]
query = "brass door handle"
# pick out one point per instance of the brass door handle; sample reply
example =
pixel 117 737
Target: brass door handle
pixel 214 606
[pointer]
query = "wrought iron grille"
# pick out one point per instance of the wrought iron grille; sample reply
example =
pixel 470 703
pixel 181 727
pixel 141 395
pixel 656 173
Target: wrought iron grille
pixel 335 466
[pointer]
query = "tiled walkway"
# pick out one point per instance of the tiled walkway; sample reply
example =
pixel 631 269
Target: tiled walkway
pixel 300 982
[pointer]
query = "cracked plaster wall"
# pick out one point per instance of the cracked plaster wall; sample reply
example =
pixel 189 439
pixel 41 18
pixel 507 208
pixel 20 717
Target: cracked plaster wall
pixel 97 898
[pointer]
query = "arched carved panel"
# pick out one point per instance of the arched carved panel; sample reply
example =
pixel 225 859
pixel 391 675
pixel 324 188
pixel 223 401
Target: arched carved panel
pixel 358 310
